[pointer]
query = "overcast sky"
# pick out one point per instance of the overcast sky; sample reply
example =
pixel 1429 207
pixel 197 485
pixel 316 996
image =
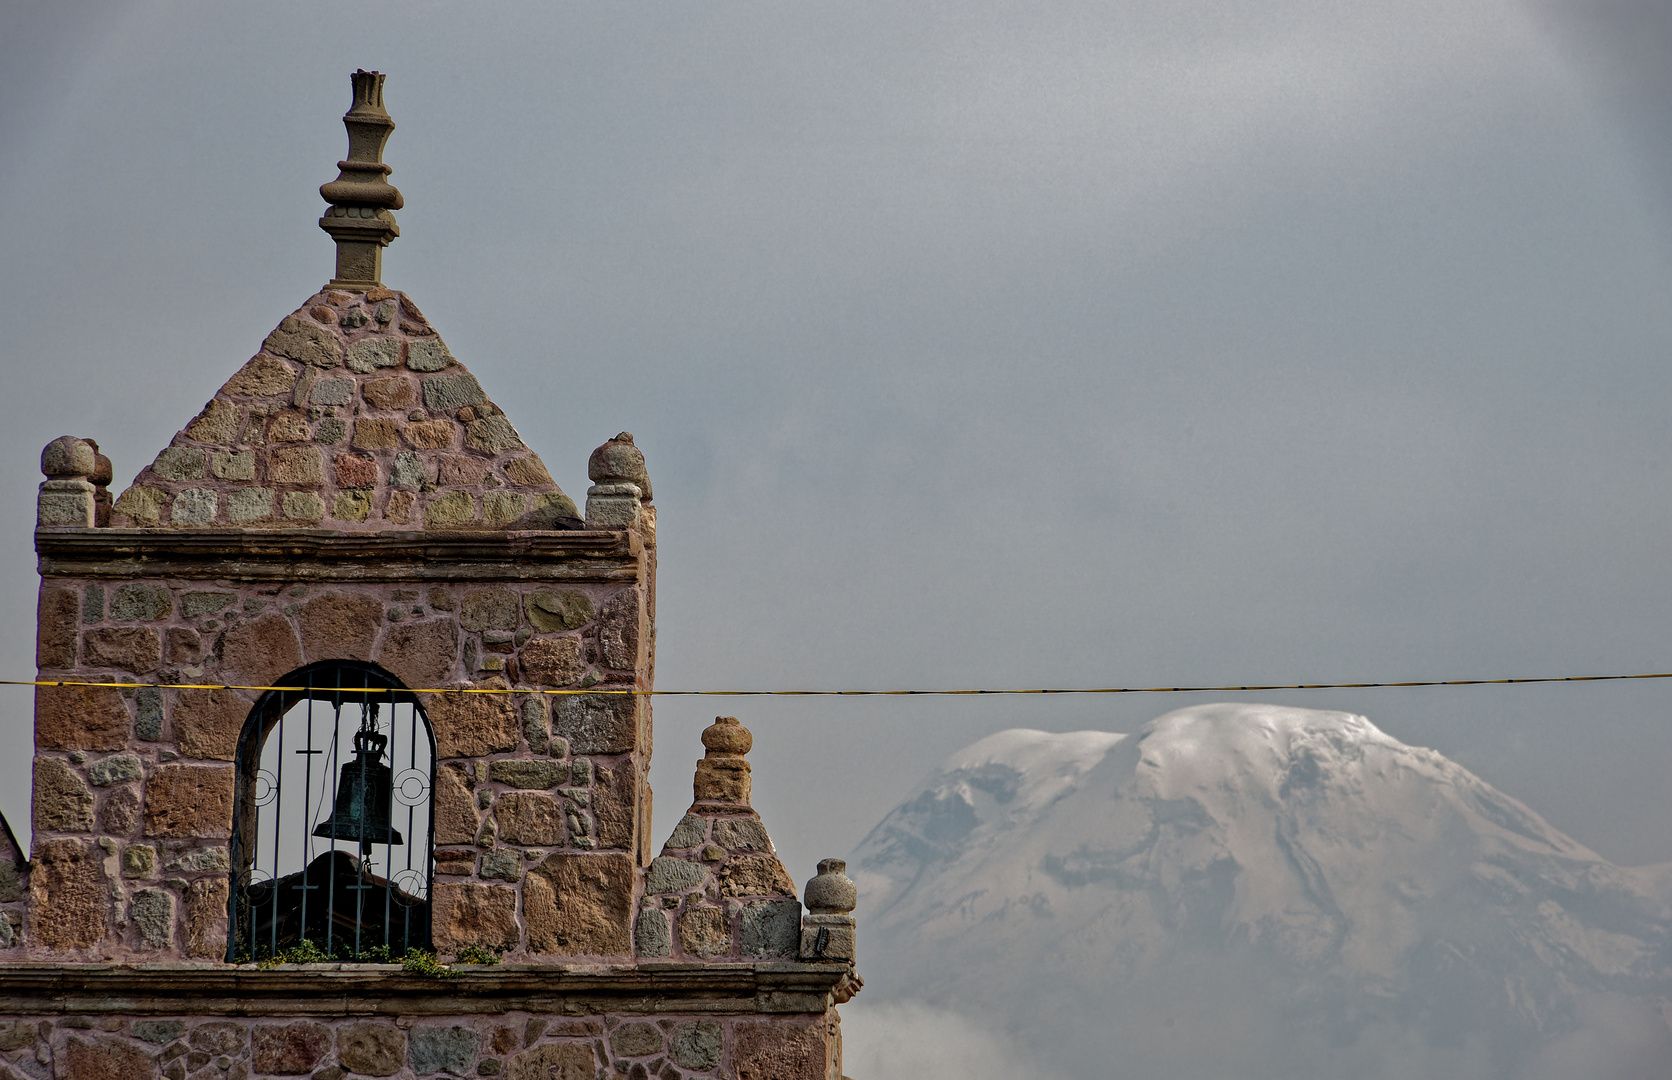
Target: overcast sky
pixel 969 344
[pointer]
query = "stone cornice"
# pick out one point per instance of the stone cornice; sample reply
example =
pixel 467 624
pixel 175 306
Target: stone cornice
pixel 322 555
pixel 336 990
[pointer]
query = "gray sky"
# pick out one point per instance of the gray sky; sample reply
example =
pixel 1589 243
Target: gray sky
pixel 969 344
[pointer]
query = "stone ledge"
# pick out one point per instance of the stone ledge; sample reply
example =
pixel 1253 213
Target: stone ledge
pixel 326 555
pixel 341 990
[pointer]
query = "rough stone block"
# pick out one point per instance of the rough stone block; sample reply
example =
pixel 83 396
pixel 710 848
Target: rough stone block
pixel 139 861
pixel 217 424
pixel 553 661
pixel 370 353
pixel 755 875
pixel 399 510
pixel 116 769
pixel 120 814
pixel 703 932
pixel 289 1049
pixel 651 936
pixel 263 376
pixel 229 465
pixel 340 626
pixel 556 610
pixel 771 929
pixel 197 604
pixel 332 392
pixel 138 649
pixel 69 897
pixel 554 1061
pixel 537 775
pixel 489 609
pixel 503 508
pixel 144 505
pixel 672 875
pixel 63 802
pixel 395 393
pixel 614 803
pixel 450 508
pixel 618 630
pixel 158 1032
pixel 690 832
pixel 421 654
pixel 471 725
pixel 431 434
pixel 141 603
pixel 408 470
pixel 92 603
pixel 636 1039
pixel 597 723
pixel 697 1044
pixel 444 393
pixel 216 1037
pixel 189 800
pixel 106 1059
pixel 529 471
pixel 304 342
pixel 460 470
pixel 302 506
pixel 370 1048
pixel 580 905
pixel 376 434
pixel 536 726
pixel 249 505
pixel 257 652
pixel 442 1049
pixel 465 914
pixel 194 507
pixel 355 471
pixel 152 915
pixel 182 647
pixel 776 1050
pixel 207 723
pixel 181 463
pixel 67 504
pixel 742 834
pixel 302 466
pixel 56 615
pixel 503 864
pixel 80 718
pixel 206 917
pixel 528 817
pixel 456 819
pixel 430 355
pixel 493 435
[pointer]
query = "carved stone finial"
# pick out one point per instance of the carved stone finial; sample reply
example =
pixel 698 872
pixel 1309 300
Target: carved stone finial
pixel 723 774
pixel 620 487
pixel 361 198
pixel 832 892
pixel 828 931
pixel 75 490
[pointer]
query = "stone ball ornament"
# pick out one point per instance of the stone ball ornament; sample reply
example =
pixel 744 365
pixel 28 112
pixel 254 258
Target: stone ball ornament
pixel 832 892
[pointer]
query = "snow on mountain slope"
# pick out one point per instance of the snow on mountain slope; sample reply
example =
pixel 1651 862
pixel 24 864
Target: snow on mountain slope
pixel 1333 888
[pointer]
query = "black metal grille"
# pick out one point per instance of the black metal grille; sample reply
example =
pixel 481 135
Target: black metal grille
pixel 332 825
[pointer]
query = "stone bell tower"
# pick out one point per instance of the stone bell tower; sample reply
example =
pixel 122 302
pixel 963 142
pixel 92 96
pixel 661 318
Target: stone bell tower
pixel 344 678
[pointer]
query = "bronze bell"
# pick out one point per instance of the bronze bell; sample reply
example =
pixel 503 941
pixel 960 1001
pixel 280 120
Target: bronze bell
pixel 364 793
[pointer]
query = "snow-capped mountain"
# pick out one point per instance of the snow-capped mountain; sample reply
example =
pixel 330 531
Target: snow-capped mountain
pixel 1252 890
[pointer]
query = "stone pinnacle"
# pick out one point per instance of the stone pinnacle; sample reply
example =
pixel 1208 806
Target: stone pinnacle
pixel 361 199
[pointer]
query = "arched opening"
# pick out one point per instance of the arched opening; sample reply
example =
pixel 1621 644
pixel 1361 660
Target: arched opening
pixel 333 817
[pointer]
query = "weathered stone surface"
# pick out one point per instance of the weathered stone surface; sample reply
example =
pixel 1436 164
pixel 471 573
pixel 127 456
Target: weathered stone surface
pixel 493 435
pixel 370 353
pixel 408 470
pixel 614 803
pixel 63 802
pixel 460 470
pixel 304 342
pixel 289 1049
pixel 247 506
pixel 771 929
pixel 528 817
pixel 431 434
pixel 471 725
pixel 399 508
pixel 421 654
pixel 139 861
pixel 189 800
pixel 352 506
pixel 450 508
pixel 181 463
pixel 257 652
pixel 537 775
pixel 200 860
pixel 429 355
pixel 536 726
pixel 196 604
pixel 742 834
pixel 143 504
pixel 670 875
pixel 120 814
pixel 159 1032
pixel 56 616
pixel 80 718
pixel 442 1049
pixel 115 769
pixel 618 631
pixel 215 1037
pixel 503 864
pixel 340 626
pixel 555 610
pixel 690 832
pixel 11 883
pixel 138 602
pixel 152 915
pixel 503 508
pixel 370 1048
pixel 697 1044
pixel 262 377
pixel 216 425
pixel 554 1061
pixel 69 898
pixel 302 506
pixel 106 1059
pixel 444 393
pixel 230 465
pixel 456 820
pixel 594 916
pixel 182 647
pixel 489 609
pixel 355 471
pixel 138 649
pixel 207 723
pixel 775 1050
pixel 206 917
pixel 703 932
pixel 396 393
pixel 194 507
pixel 465 914
pixel 597 723
pixel 332 392
pixel 651 936
pixel 288 426
pixel 528 470
pixel 553 661
pixel 376 434
pixel 303 466
pixel 636 1039
pixel 755 875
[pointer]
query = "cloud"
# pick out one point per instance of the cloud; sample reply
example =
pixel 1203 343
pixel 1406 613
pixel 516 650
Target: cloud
pixel 908 1040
